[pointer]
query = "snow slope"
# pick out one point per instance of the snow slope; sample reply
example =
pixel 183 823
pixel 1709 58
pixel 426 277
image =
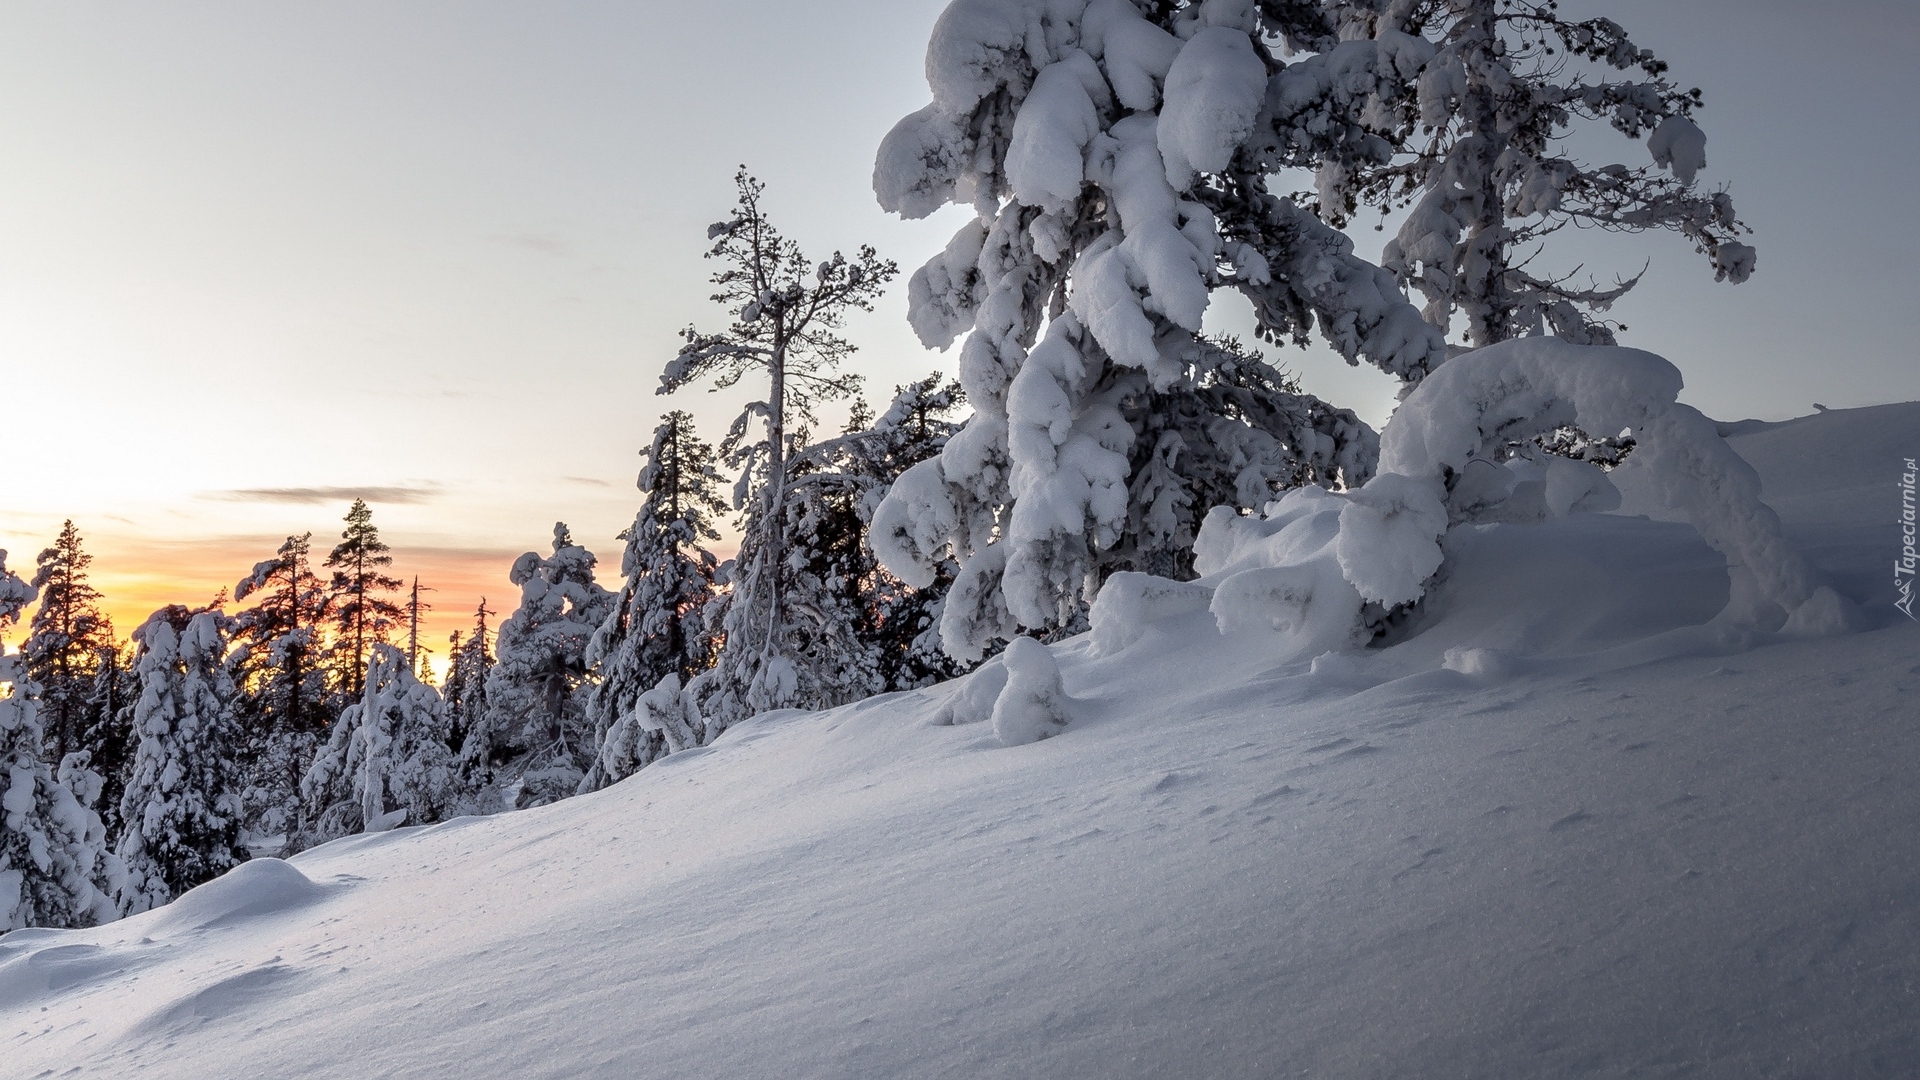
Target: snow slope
pixel 1559 828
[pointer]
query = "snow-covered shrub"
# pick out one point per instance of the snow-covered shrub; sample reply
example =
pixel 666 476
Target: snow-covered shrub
pixel 1321 570
pixel 1486 400
pixel 386 762
pixel 1445 463
pixel 1128 601
pixel 1389 537
pixel 973 697
pixel 1278 576
pixel 1031 705
pixel 664 720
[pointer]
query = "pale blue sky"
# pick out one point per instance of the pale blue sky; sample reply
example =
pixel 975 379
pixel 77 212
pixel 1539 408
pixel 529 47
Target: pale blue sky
pixel 446 246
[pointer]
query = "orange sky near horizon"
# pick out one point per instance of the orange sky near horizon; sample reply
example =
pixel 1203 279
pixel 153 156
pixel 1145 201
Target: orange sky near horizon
pixel 136 578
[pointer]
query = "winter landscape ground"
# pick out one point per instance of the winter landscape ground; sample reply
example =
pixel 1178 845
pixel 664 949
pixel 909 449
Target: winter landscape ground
pixel 1114 707
pixel 1615 841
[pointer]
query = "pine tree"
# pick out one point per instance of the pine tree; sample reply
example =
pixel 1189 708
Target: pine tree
pixel 1118 164
pixel 182 805
pixel 387 762
pixel 465 688
pixel 534 730
pixel 109 738
pixel 55 867
pixel 656 626
pixel 1471 104
pixel 786 312
pixel 284 705
pixel 362 615
pixel 64 642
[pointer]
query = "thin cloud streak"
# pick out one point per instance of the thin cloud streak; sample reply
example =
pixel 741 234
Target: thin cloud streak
pixel 309 496
pixel 546 245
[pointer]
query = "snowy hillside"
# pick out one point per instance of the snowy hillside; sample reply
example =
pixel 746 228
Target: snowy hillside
pixel 1560 827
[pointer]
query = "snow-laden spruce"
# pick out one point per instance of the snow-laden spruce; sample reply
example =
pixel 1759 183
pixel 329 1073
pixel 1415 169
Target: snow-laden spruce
pixel 533 741
pixel 386 762
pixel 182 805
pixel 871 631
pixel 55 865
pixel 1117 165
pixel 655 633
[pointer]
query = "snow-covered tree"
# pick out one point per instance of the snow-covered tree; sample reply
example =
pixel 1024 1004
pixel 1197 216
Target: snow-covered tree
pixel 786 311
pixel 282 675
pixel 357 603
pixel 55 866
pixel 1117 157
pixel 1233 433
pixel 656 626
pixel 64 642
pixel 15 594
pixel 878 633
pixel 182 804
pixel 387 762
pixel 533 737
pixel 1463 110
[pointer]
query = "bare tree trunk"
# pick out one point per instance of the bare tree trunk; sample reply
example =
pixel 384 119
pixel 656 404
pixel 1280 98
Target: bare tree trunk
pixel 774 549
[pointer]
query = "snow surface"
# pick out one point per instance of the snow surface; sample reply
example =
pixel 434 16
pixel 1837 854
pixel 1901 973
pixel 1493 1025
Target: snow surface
pixel 1563 824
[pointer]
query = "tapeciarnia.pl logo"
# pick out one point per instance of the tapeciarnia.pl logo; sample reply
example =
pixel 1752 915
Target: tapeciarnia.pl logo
pixel 1903 567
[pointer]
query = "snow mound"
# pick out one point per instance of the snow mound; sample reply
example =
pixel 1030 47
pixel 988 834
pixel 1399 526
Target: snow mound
pixel 253 890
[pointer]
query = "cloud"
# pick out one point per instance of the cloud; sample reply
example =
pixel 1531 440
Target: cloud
pixel 586 481
pixel 546 245
pixel 308 496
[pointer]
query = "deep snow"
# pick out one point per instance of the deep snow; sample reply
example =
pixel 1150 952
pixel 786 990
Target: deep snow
pixel 1561 827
